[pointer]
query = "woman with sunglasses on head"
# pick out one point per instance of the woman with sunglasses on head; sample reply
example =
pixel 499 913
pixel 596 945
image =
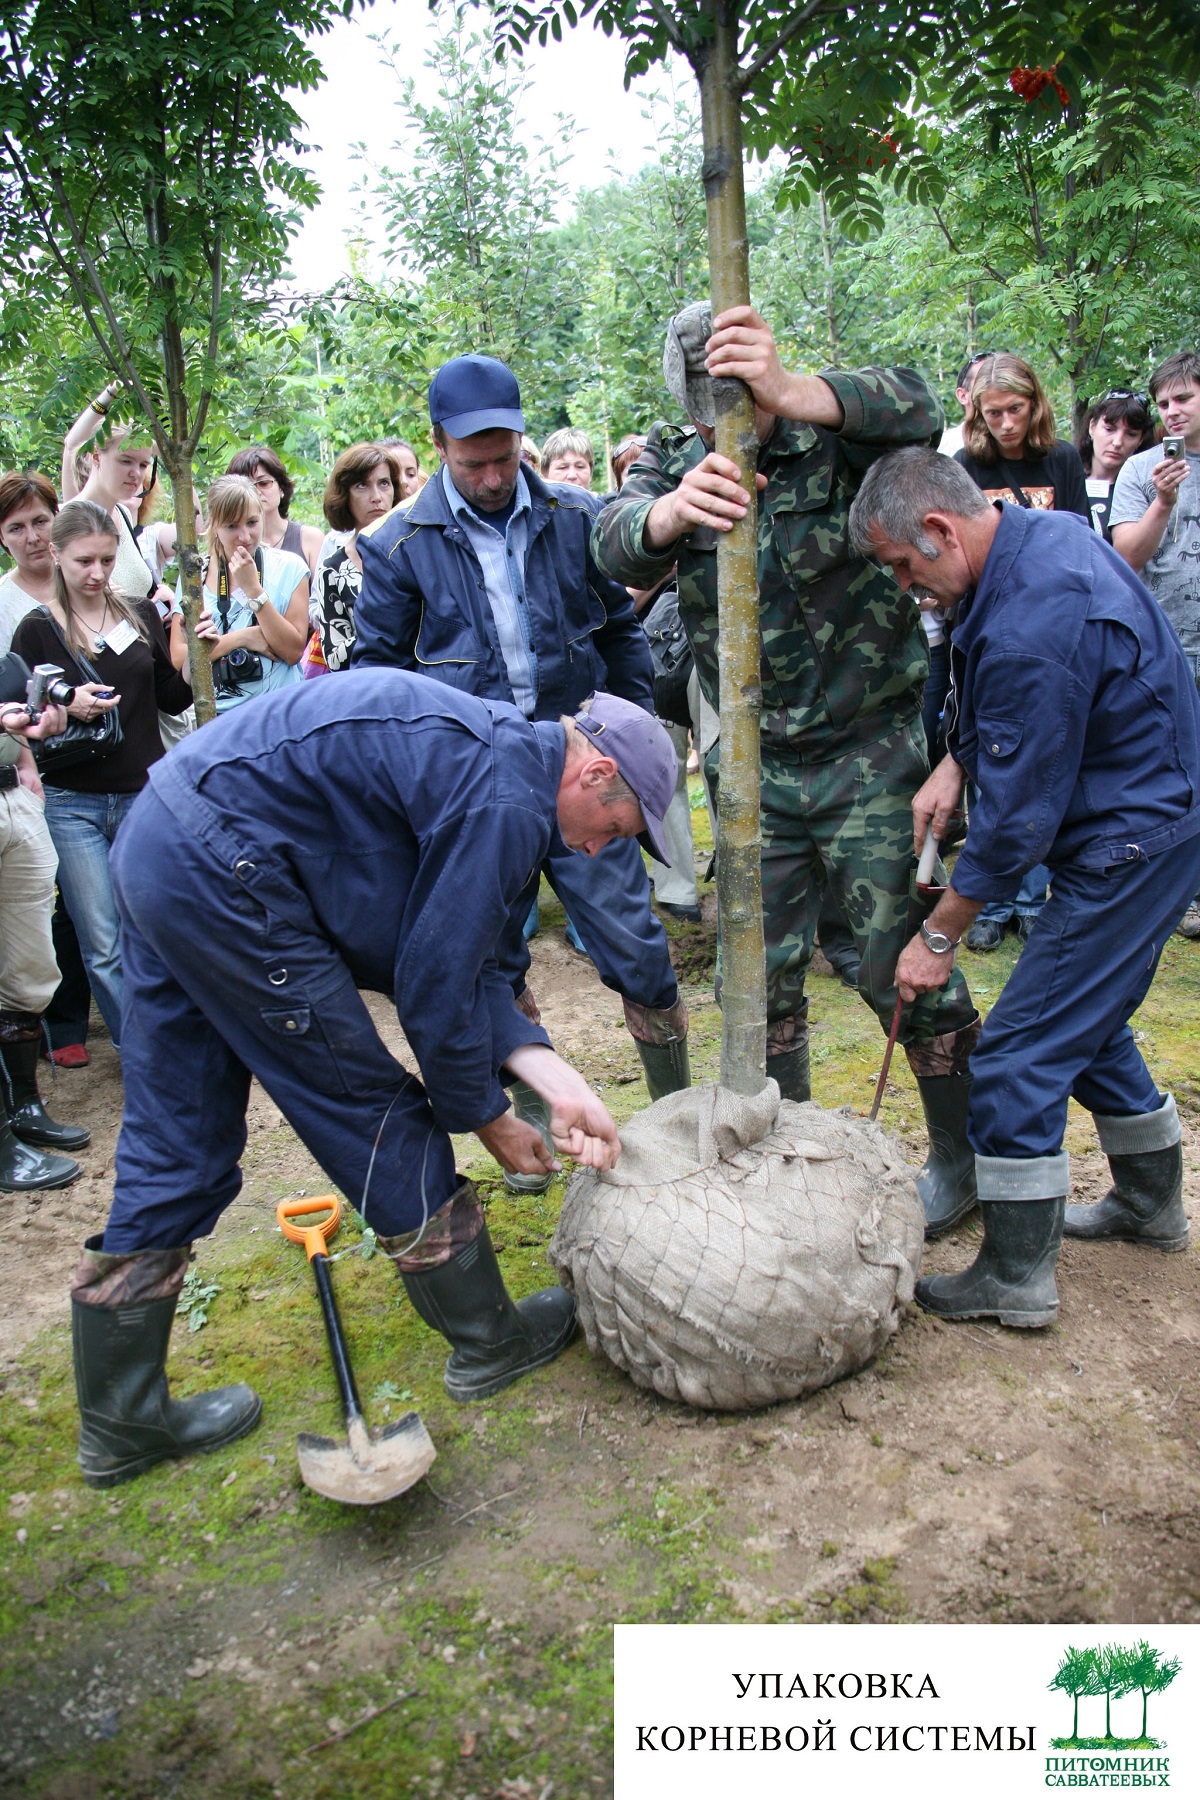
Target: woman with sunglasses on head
pixel 1118 425
pixel 260 465
pixel 113 652
pixel 255 618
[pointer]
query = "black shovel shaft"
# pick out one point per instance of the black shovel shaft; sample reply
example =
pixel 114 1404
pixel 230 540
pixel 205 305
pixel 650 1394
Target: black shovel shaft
pixel 337 1341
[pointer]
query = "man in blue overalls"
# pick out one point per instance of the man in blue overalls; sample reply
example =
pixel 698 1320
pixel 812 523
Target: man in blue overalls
pixel 368 833
pixel 485 581
pixel 1078 719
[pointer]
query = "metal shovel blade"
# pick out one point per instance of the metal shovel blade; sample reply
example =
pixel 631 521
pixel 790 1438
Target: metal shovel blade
pixel 370 1466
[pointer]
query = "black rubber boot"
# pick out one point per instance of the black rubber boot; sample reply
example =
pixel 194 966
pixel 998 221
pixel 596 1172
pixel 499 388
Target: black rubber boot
pixel 20 1046
pixel 1012 1278
pixel 24 1170
pixel 791 1071
pixel 529 1106
pixel 1144 1204
pixel 128 1420
pixel 667 1066
pixel 787 1055
pixel 946 1184
pixel 495 1342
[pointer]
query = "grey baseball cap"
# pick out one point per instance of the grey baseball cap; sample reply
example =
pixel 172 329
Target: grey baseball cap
pixel 644 755
pixel 687 379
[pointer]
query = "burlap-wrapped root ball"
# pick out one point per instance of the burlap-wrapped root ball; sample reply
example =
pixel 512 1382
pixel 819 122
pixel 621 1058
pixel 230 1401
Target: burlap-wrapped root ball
pixel 743 1250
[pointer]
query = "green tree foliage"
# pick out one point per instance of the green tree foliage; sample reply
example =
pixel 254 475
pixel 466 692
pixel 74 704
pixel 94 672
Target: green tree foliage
pixel 1075 224
pixel 1148 1671
pixel 149 182
pixel 467 207
pixel 636 253
pixel 1077 1676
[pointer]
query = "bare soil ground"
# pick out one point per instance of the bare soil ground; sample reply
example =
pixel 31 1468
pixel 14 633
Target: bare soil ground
pixel 205 1630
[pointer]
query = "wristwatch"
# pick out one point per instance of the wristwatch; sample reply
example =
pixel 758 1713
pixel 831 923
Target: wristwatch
pixel 256 604
pixel 937 941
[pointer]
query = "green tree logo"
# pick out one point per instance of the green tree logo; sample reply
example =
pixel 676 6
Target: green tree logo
pixel 1113 1670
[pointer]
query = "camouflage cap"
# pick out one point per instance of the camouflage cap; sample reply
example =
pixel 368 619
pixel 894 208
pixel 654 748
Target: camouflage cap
pixel 687 379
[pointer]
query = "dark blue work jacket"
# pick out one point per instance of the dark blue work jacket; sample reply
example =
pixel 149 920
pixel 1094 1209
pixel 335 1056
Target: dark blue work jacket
pixel 1078 717
pixel 401 822
pixel 424 604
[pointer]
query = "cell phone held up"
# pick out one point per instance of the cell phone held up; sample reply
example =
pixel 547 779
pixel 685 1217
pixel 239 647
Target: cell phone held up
pixel 1172 449
pixel 46 687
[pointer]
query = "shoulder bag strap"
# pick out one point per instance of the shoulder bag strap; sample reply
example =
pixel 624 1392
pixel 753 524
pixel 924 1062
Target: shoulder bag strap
pixel 75 656
pixel 1022 498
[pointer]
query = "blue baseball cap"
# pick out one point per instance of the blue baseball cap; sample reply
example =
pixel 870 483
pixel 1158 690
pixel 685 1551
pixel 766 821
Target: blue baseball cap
pixel 644 755
pixel 475 393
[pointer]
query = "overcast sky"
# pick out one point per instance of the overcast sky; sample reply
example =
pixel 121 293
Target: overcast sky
pixel 582 76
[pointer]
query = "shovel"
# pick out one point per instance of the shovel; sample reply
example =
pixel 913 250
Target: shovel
pixel 371 1465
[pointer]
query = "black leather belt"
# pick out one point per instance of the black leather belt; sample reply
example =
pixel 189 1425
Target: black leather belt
pixel 8 776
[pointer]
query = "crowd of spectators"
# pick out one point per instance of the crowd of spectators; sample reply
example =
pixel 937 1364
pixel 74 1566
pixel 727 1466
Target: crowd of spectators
pixel 86 593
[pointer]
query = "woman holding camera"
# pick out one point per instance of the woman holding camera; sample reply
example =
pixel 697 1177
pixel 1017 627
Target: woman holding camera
pixel 256 599
pixel 29 1137
pixel 113 652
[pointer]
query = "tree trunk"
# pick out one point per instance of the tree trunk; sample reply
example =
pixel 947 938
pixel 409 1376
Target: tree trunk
pixel 831 323
pixel 179 469
pixel 739 833
pixel 183 499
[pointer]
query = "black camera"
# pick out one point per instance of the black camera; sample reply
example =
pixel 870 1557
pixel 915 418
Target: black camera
pixel 237 670
pixel 44 688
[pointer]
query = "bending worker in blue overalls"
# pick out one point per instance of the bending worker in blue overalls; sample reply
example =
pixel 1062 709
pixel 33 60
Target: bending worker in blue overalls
pixel 366 833
pixel 1078 719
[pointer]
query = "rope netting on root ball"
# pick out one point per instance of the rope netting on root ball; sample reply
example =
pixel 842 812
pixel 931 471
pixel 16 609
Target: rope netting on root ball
pixel 744 1250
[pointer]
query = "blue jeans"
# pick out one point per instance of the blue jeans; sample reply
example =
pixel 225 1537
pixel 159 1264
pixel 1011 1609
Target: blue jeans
pixel 1029 901
pixel 83 827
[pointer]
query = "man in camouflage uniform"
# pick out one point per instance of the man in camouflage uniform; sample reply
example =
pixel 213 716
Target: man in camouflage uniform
pixel 843 670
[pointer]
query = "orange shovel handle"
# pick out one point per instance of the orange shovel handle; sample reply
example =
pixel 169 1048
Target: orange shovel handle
pixel 316 1236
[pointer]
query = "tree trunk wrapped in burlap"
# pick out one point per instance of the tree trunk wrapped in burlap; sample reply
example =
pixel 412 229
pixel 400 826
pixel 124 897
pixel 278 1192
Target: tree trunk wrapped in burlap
pixel 744 1250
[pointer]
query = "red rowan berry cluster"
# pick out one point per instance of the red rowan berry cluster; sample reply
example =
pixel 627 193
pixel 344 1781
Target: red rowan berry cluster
pixel 1028 84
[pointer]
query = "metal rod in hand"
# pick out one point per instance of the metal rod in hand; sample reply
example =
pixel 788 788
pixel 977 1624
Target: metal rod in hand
pixel 887 1060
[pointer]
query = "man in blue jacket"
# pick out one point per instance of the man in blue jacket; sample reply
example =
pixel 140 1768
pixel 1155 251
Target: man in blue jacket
pixel 345 835
pixel 485 581
pixel 1077 717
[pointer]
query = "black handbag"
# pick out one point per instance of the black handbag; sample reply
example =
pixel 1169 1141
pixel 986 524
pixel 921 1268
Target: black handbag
pixel 84 740
pixel 672 657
